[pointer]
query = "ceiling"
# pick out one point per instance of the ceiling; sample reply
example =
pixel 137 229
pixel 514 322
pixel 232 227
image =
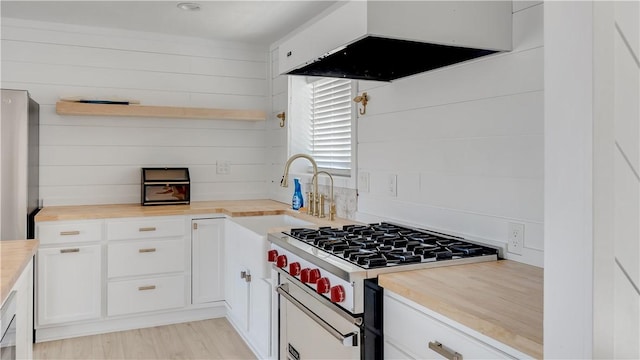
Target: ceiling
pixel 252 22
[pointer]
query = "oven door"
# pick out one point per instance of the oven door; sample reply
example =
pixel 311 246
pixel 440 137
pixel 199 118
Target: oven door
pixel 312 329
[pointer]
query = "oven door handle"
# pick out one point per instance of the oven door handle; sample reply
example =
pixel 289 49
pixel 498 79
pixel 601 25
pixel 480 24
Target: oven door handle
pixel 350 339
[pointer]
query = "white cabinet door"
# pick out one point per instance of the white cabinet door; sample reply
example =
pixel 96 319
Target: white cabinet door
pixel 24 313
pixel 207 270
pixel 248 288
pixel 260 315
pixel 239 309
pixel 236 286
pixel 69 284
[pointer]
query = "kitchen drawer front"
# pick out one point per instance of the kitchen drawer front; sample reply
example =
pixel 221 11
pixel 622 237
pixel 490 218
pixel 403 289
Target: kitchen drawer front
pixel 391 352
pixel 141 295
pixel 145 257
pixel 148 228
pixel 62 232
pixel 412 330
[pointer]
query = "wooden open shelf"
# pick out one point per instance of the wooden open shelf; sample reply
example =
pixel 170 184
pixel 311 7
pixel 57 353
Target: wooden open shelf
pixel 76 108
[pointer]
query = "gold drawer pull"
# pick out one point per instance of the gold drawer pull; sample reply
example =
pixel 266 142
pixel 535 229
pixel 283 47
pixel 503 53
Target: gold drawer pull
pixel 152 228
pixel 66 233
pixel 440 349
pixel 148 287
pixel 65 251
pixel 147 250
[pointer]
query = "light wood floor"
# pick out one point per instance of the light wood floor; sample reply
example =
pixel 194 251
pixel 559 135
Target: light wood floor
pixel 208 339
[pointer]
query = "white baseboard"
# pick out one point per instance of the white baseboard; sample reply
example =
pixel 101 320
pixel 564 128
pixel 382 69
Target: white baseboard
pixel 102 326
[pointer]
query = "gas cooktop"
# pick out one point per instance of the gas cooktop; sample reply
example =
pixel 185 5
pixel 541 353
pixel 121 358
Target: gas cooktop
pixel 385 244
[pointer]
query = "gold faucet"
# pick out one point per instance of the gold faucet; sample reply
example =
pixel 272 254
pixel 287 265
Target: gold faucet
pixel 332 207
pixel 313 206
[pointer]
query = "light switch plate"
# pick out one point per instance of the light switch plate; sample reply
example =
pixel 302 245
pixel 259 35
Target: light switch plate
pixel 393 185
pixel 363 182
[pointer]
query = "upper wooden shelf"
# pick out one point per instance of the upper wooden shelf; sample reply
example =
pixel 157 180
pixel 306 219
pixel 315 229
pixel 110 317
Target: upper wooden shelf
pixel 76 108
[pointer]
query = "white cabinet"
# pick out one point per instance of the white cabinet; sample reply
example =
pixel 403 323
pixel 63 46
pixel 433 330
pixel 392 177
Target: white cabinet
pixel 207 270
pixel 114 274
pixel 146 266
pixel 23 297
pixel 412 331
pixel 248 286
pixel 68 272
pixel 68 284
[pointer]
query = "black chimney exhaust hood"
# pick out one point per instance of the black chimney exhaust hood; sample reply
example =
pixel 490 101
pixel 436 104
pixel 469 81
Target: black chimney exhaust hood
pixel 385 59
pixel 388 40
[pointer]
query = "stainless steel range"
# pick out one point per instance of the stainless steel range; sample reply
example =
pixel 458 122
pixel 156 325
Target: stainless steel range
pixel 327 282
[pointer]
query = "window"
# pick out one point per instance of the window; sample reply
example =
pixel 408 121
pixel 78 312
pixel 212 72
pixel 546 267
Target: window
pixel 322 113
pixel 331 110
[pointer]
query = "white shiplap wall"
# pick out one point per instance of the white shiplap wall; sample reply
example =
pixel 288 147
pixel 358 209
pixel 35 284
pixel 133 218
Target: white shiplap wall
pixel 278 137
pixel 626 173
pixel 466 144
pixel 93 160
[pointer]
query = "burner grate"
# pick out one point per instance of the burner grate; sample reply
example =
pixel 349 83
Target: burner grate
pixel 384 244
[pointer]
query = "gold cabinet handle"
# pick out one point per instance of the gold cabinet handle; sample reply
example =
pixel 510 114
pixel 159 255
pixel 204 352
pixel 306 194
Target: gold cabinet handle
pixel 67 233
pixel 148 287
pixel 66 251
pixel 147 250
pixel 448 354
pixel 152 228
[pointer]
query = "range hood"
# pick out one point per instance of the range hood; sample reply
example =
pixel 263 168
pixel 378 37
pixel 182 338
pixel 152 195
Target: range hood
pixel 389 40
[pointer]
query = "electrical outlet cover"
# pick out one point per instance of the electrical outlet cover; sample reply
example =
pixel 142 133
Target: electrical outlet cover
pixel 515 238
pixel 223 167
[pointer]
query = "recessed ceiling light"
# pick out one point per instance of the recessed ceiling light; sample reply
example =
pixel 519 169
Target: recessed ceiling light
pixel 189 6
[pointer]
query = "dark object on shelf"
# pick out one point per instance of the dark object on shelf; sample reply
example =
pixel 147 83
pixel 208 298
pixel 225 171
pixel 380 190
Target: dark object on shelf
pixel 165 186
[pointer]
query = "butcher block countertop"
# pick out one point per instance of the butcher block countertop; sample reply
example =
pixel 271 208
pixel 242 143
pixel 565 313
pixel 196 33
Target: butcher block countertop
pixel 233 208
pixel 501 299
pixel 14 256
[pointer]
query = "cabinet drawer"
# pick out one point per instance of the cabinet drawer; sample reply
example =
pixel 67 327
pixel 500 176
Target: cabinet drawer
pixel 61 232
pixel 134 296
pixel 156 227
pixel 145 257
pixel 412 330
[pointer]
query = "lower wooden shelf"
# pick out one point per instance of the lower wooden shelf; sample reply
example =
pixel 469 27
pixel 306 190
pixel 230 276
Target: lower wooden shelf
pixel 76 108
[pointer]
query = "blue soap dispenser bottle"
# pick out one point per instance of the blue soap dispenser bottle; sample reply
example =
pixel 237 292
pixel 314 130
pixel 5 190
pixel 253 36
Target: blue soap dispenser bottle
pixel 298 200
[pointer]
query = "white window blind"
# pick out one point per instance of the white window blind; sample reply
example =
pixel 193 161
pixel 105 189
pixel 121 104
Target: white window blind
pixel 331 112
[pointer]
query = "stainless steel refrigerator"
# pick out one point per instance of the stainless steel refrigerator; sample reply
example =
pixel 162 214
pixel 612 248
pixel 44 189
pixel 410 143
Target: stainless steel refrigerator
pixel 19 164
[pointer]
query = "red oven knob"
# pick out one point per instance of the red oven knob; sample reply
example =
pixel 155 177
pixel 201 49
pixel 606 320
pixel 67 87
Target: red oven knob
pixel 323 285
pixel 281 261
pixel 304 275
pixel 272 255
pixel 314 275
pixel 294 268
pixel 337 294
